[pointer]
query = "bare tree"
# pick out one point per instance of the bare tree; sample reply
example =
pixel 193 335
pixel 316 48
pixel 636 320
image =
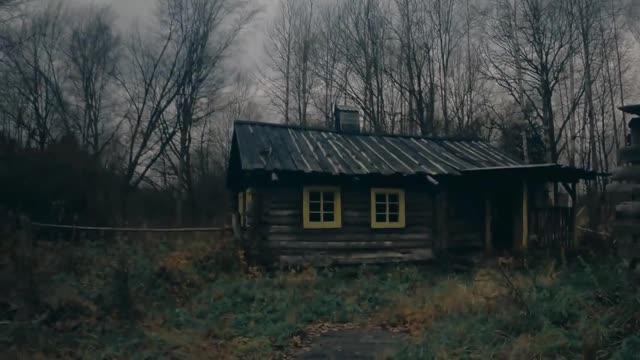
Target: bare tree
pixel 448 35
pixel 615 13
pixel 304 50
pixel 544 41
pixel 32 59
pixel 326 64
pixel 150 85
pixel 362 43
pixel 467 99
pixel 238 103
pixel 93 55
pixel 587 14
pixel 416 73
pixel 289 75
pixel 278 74
pixel 205 31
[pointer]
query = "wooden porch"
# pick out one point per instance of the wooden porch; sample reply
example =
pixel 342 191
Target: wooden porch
pixel 552 228
pixel 533 224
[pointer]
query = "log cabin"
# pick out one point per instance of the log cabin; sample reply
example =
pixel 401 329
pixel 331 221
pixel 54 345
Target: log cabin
pixel 624 190
pixel 342 196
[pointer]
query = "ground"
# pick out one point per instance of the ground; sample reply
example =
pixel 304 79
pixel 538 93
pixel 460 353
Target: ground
pixel 357 343
pixel 197 299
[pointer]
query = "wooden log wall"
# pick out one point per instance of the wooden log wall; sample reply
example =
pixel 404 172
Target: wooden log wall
pixel 626 188
pixel 356 242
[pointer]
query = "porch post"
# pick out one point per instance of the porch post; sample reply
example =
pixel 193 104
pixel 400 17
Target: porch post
pixel 571 189
pixel 442 218
pixel 488 234
pixel 235 218
pixel 574 213
pixel 525 215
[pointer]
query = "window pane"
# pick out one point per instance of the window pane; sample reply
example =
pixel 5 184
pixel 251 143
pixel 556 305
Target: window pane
pixel 314 206
pixel 314 217
pixel 327 196
pixel 314 196
pixel 394 218
pixel 381 198
pixel 381 208
pixel 393 207
pixel 393 198
pixel 328 217
pixel 327 207
pixel 381 217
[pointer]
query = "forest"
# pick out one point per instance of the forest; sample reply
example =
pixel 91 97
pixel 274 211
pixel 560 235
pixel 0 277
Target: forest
pixel 139 120
pixel 108 122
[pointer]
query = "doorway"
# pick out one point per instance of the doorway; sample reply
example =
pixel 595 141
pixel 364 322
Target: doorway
pixel 502 220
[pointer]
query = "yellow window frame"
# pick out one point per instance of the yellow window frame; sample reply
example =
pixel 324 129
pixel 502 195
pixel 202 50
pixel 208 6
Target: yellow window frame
pixel 245 198
pixel 337 208
pixel 401 223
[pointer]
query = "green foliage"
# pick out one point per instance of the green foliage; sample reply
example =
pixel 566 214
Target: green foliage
pixel 186 303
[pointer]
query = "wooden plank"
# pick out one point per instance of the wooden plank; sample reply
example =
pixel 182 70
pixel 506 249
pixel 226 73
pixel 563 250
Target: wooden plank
pixel 626 173
pixel 525 215
pixel 442 219
pixel 357 258
pixel 348 245
pixel 624 188
pixel 629 154
pixel 363 228
pixel 488 234
pixel 286 212
pixel 574 214
pixel 630 209
pixel 351 237
pixel 631 226
pixel 348 222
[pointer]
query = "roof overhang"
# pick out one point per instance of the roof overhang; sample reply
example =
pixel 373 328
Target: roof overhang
pixel 544 172
pixel 631 109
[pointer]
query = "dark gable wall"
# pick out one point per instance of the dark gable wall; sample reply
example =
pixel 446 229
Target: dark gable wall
pixel 281 226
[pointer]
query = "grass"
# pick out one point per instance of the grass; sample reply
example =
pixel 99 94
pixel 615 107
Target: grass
pixel 198 300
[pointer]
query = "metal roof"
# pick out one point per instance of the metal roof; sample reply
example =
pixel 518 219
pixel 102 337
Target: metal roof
pixel 264 146
pixel 631 109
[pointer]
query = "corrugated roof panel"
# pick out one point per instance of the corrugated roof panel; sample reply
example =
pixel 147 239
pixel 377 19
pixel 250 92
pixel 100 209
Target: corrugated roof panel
pixel 379 164
pixel 411 154
pixel 278 147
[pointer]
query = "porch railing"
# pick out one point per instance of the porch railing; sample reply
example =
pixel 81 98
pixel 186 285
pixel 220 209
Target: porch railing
pixel 551 228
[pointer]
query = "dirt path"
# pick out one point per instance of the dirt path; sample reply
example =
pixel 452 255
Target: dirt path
pixel 353 344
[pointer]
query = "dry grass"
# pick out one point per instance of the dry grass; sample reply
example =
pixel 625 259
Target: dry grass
pixel 190 305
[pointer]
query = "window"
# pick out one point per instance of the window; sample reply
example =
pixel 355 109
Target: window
pixel 321 208
pixel 245 198
pixel 387 208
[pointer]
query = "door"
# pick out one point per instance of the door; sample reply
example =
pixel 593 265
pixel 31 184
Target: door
pixel 502 220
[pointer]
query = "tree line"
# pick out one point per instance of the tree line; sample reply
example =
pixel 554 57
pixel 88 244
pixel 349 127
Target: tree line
pixel 542 77
pixel 112 123
pixel 134 107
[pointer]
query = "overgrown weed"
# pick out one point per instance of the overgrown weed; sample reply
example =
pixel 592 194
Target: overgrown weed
pixel 204 300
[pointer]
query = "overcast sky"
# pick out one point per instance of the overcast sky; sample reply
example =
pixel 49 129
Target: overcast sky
pixel 251 49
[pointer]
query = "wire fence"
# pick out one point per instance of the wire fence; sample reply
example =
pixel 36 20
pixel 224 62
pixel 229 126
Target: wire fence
pixel 128 229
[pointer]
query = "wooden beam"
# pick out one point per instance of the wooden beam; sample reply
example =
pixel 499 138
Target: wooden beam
pixel 488 233
pixel 235 225
pixel 525 215
pixel 567 188
pixel 348 237
pixel 574 212
pixel 442 221
pixel 350 245
pixel 377 257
